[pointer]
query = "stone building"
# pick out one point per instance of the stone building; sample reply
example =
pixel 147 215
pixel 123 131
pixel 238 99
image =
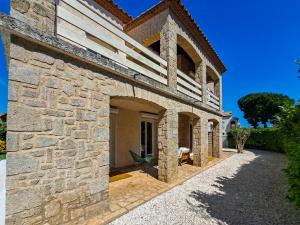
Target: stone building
pixel 87 83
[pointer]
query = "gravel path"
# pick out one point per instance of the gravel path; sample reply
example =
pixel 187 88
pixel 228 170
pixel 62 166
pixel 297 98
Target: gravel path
pixel 245 189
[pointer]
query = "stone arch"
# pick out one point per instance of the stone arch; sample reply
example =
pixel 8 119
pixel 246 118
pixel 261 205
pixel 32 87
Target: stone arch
pixel 165 124
pixel 189 49
pixel 189 135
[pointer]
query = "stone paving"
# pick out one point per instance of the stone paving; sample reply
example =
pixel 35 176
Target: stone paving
pixel 140 187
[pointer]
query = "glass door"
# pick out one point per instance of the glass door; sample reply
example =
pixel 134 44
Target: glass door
pixel 147 138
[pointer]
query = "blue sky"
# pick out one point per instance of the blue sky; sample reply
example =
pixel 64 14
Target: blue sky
pixel 257 40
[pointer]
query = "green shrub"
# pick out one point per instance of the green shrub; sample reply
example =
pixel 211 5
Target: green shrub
pixel 265 139
pixel 262 138
pixel 2 146
pixel 2 131
pixel 290 128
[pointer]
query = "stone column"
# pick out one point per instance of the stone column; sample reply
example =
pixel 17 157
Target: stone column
pixel 217 140
pixel 204 141
pixel 202 71
pixel 197 143
pixel 167 146
pixel 39 14
pixel 168 51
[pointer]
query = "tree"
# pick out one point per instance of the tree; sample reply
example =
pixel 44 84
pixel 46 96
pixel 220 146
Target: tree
pixel 298 62
pixel 263 108
pixel 240 136
pixel 2 131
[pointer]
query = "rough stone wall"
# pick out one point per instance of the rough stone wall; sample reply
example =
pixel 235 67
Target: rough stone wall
pixel 57 141
pixel 40 14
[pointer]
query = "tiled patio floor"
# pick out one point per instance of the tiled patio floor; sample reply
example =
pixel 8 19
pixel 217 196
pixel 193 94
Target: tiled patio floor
pixel 137 187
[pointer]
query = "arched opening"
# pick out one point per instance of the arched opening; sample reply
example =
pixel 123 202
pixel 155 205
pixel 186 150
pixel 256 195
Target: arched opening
pixel 213 82
pixel 133 128
pixel 187 57
pixel 189 139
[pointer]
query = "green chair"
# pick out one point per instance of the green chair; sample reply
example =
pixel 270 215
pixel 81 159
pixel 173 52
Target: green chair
pixel 148 160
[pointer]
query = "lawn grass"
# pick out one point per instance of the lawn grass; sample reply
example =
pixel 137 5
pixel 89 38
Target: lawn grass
pixel 2 156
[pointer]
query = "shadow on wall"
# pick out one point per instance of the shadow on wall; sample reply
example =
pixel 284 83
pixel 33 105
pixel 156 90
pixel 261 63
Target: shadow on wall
pixel 256 195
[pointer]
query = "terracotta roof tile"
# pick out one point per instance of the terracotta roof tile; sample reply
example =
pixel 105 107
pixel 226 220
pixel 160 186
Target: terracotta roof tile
pixel 114 9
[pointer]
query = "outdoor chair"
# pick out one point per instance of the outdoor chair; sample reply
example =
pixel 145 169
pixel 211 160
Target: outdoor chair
pixel 148 160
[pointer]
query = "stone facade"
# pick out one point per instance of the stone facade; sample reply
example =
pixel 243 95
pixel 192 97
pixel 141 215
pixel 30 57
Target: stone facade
pixel 59 117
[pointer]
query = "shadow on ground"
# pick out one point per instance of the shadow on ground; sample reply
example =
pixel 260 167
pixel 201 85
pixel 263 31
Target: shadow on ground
pixel 255 195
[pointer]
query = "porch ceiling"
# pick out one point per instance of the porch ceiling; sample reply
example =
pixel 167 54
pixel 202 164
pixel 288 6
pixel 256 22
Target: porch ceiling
pixel 135 105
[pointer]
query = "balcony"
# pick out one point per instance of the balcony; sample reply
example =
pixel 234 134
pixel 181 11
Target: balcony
pixel 213 100
pixel 82 24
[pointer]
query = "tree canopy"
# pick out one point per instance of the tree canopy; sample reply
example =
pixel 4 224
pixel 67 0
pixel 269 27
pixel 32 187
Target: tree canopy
pixel 263 108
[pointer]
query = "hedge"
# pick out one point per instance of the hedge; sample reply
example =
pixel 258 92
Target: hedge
pixel 291 134
pixel 262 138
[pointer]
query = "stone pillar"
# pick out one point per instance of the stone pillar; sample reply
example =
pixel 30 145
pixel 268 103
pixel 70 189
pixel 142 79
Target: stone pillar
pixel 39 14
pixel 168 51
pixel 57 140
pixel 202 71
pixel 217 139
pixel 167 146
pixel 197 143
pixel 204 141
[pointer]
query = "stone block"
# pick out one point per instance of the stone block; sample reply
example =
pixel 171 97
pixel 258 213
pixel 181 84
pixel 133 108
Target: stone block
pixel 42 58
pixel 45 141
pixel 67 144
pixel 58 129
pixel 53 83
pixel 24 73
pixel 64 163
pixel 23 119
pixel 52 209
pixel 12 142
pixel 79 102
pixel 22 200
pixel 89 116
pixel 81 135
pixel 83 164
pixel 20 5
pixel 12 92
pixel 101 133
pixel 18 164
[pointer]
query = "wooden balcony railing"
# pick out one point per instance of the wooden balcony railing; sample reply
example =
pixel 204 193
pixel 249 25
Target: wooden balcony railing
pixel 213 100
pixel 188 86
pixel 153 66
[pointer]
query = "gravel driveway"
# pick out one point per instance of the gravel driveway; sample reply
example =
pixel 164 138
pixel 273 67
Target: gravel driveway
pixel 245 189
